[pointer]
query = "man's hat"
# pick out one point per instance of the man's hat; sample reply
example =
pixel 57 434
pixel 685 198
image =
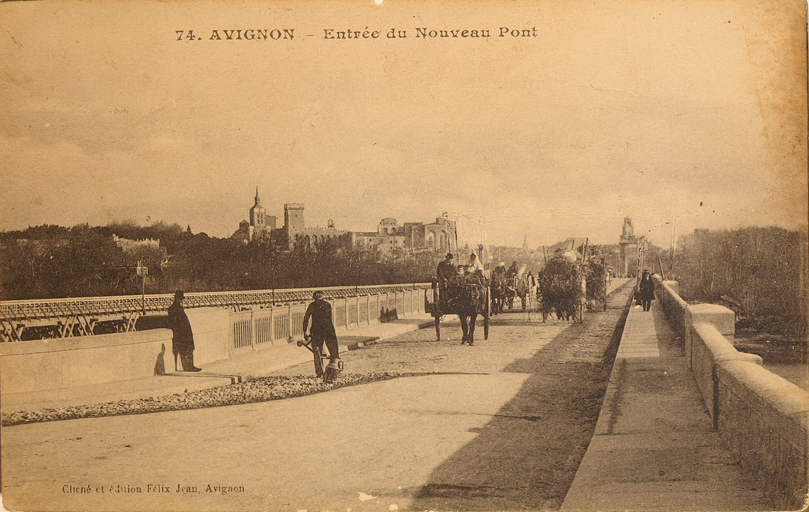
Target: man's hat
pixel 319 292
pixel 449 255
pixel 179 294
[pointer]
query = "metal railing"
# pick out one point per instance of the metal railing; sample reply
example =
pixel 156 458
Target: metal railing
pixel 68 317
pixel 262 327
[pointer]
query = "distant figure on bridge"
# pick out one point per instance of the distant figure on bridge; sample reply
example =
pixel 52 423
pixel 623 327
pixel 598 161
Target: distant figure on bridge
pixel 182 341
pixel 647 290
pixel 322 330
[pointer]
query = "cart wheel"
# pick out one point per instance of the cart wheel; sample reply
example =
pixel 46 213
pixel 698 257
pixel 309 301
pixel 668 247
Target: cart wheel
pixel 438 328
pixel 486 317
pixel 488 301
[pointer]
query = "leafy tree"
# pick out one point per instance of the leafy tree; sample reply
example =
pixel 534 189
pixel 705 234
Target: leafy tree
pixel 762 268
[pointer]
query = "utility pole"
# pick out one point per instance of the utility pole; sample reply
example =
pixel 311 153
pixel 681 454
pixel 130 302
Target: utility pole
pixel 142 272
pixel 641 255
pixel 583 281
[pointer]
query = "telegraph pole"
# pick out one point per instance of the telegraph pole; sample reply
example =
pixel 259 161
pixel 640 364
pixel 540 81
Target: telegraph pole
pixel 142 271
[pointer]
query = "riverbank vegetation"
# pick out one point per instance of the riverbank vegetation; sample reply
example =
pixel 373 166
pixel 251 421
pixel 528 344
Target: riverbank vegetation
pixel 759 272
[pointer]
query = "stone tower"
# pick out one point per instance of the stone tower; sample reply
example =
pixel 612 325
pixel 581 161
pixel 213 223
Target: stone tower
pixel 629 245
pixel 293 221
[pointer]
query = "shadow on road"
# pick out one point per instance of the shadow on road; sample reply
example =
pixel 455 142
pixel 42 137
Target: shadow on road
pixel 527 455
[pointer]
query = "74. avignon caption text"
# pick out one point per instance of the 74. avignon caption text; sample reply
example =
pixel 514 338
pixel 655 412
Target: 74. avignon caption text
pixel 335 34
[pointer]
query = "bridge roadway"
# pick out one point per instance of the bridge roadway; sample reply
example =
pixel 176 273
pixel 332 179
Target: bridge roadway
pixel 455 440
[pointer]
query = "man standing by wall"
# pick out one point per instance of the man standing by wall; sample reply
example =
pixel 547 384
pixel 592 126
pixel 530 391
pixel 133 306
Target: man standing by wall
pixel 182 342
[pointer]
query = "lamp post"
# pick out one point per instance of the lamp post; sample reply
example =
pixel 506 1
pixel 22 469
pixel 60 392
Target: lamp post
pixel 273 256
pixel 142 271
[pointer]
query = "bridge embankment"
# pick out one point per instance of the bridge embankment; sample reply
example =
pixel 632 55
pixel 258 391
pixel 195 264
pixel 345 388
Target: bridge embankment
pixel 761 417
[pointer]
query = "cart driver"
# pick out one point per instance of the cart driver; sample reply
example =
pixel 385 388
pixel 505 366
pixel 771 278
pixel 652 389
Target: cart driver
pixel 446 277
pixel 322 330
pixel 446 269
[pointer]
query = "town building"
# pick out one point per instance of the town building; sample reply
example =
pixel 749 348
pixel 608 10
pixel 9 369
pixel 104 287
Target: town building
pixel 411 237
pixel 129 246
pixel 297 234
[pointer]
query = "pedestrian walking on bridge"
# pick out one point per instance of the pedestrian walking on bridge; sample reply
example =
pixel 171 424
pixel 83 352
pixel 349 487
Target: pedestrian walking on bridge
pixel 647 290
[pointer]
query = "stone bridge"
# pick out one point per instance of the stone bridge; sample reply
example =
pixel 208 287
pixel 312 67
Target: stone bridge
pixel 758 419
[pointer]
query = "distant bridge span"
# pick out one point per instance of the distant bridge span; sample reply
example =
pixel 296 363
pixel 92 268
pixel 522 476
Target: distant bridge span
pixel 69 317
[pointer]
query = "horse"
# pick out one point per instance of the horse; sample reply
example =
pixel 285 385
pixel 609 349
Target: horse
pixel 467 299
pixel 500 293
pixel 467 311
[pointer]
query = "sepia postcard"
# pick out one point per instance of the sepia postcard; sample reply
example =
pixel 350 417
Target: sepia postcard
pixel 459 126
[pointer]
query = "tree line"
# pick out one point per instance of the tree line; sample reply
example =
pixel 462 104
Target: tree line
pixel 53 262
pixel 763 268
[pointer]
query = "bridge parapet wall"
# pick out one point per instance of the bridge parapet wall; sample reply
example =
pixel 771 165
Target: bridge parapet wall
pixel 761 417
pixel 763 421
pixel 39 365
pixel 668 292
pixel 219 333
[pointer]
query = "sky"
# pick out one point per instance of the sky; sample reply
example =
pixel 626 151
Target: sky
pixel 679 114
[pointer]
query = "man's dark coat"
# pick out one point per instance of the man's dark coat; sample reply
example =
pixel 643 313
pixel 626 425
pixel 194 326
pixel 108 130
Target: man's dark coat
pixel 183 339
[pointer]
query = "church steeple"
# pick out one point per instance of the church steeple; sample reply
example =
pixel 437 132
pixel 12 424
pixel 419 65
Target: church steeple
pixel 257 217
pixel 258 200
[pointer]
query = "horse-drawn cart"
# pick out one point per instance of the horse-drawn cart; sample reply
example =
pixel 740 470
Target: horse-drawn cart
pixel 521 285
pixel 465 296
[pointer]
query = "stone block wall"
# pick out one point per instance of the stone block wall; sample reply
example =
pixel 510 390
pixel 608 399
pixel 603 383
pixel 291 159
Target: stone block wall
pixel 763 420
pixel 66 362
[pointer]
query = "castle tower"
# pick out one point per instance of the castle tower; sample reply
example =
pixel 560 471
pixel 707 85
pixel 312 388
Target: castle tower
pixel 258 219
pixel 293 221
